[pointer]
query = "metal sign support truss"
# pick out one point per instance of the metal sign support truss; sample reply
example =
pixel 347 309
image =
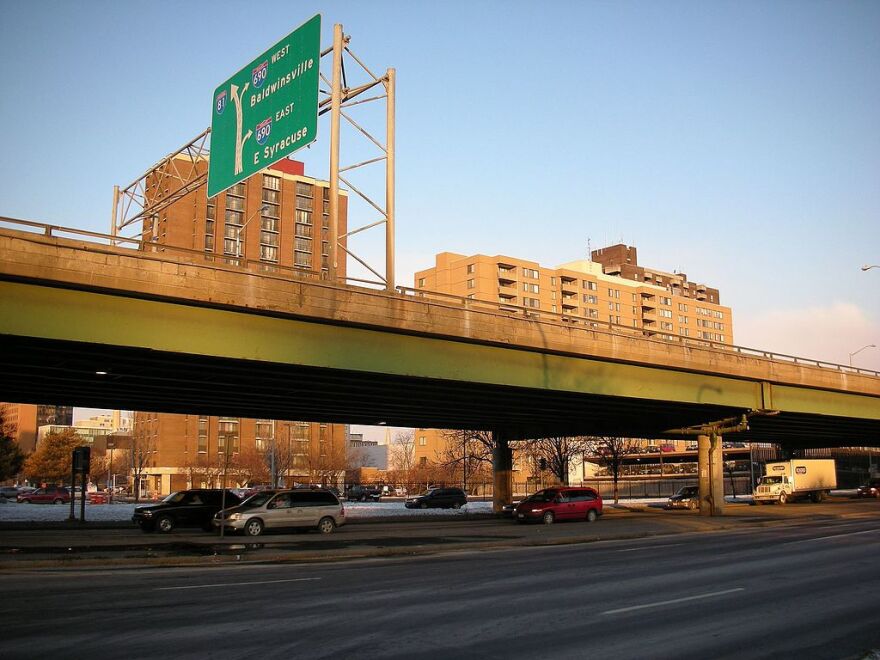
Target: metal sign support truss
pixel 180 173
pixel 184 171
pixel 339 98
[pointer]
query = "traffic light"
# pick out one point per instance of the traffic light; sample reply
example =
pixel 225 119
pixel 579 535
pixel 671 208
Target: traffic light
pixel 81 459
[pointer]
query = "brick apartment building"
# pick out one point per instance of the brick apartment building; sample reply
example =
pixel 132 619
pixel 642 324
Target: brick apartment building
pixel 275 219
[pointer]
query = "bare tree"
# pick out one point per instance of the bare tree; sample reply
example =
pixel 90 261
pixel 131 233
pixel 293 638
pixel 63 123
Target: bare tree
pixel 250 466
pixel 142 449
pixel 401 453
pixel 610 452
pixel 556 453
pixel 468 453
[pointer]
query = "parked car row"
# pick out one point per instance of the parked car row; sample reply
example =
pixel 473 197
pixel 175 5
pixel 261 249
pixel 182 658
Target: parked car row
pixel 266 509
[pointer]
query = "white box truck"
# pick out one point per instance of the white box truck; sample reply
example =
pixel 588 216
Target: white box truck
pixel 784 481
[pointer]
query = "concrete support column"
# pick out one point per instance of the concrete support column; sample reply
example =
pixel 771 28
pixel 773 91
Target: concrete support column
pixel 502 471
pixel 716 474
pixel 710 466
pixel 704 476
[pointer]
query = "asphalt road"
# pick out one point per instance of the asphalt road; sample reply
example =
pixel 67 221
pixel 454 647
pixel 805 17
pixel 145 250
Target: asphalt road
pixel 796 591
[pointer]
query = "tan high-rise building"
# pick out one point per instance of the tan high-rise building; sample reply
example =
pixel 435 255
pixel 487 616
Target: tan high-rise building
pixel 610 288
pixel 186 451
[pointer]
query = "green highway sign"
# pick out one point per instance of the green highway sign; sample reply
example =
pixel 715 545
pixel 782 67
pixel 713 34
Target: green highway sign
pixel 267 110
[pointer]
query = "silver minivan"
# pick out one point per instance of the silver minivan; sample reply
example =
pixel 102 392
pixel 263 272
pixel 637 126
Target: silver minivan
pixel 271 509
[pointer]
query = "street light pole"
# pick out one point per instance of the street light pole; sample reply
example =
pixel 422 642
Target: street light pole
pixel 859 351
pixel 238 251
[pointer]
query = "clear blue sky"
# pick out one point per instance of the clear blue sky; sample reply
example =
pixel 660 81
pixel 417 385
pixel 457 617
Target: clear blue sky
pixel 738 142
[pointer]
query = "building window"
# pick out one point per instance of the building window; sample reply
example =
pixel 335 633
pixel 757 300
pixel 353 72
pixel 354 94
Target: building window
pixel 531 288
pixel 302 259
pixel 268 253
pixel 227 435
pixel 304 203
pixel 590 286
pixel 470 269
pixel 271 182
pixel 665 325
pixel 421 282
pixel 591 299
pixel 305 217
pixel 682 307
pixel 303 244
pixel 422 441
pixel 530 272
pixel 593 313
pixel 471 284
pixel 203 435
pixel 265 432
pixel 531 302
pixel 665 301
pixel 304 189
pixel 666 313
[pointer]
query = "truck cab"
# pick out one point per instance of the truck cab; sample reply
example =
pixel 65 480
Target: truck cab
pixel 773 488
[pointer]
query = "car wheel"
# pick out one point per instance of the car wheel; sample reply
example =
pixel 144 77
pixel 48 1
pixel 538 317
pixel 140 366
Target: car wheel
pixel 165 524
pixel 253 527
pixel 548 518
pixel 693 505
pixel 423 505
pixel 783 498
pixel 57 500
pixel 326 525
pixel 456 505
pixel 592 515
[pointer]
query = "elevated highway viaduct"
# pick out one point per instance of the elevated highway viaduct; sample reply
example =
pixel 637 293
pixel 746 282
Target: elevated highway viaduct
pixel 91 324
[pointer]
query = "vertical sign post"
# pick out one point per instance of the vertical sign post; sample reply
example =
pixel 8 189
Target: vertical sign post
pixel 267 110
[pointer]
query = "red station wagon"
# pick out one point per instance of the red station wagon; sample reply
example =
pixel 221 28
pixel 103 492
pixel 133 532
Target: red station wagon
pixel 47 495
pixel 560 503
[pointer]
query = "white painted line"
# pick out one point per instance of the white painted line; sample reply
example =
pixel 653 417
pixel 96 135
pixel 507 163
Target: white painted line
pixel 671 602
pixel 234 584
pixel 833 536
pixel 650 547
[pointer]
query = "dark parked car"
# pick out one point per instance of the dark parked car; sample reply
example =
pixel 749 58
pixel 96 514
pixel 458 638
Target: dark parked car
pixel 437 498
pixel 8 492
pixel 869 489
pixel 363 493
pixel 687 497
pixel 560 503
pixel 185 508
pixel 47 495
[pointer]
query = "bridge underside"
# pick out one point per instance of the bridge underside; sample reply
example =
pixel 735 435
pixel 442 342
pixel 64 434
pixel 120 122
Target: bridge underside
pixel 41 370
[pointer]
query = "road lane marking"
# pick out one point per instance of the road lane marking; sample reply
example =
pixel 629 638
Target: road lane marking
pixel 650 547
pixel 673 601
pixel 834 536
pixel 234 584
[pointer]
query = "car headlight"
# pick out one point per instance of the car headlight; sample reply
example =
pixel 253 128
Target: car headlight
pixel 147 514
pixel 536 510
pixel 234 516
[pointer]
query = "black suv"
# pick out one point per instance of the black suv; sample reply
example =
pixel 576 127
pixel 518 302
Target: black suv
pixel 185 508
pixel 438 498
pixel 363 493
